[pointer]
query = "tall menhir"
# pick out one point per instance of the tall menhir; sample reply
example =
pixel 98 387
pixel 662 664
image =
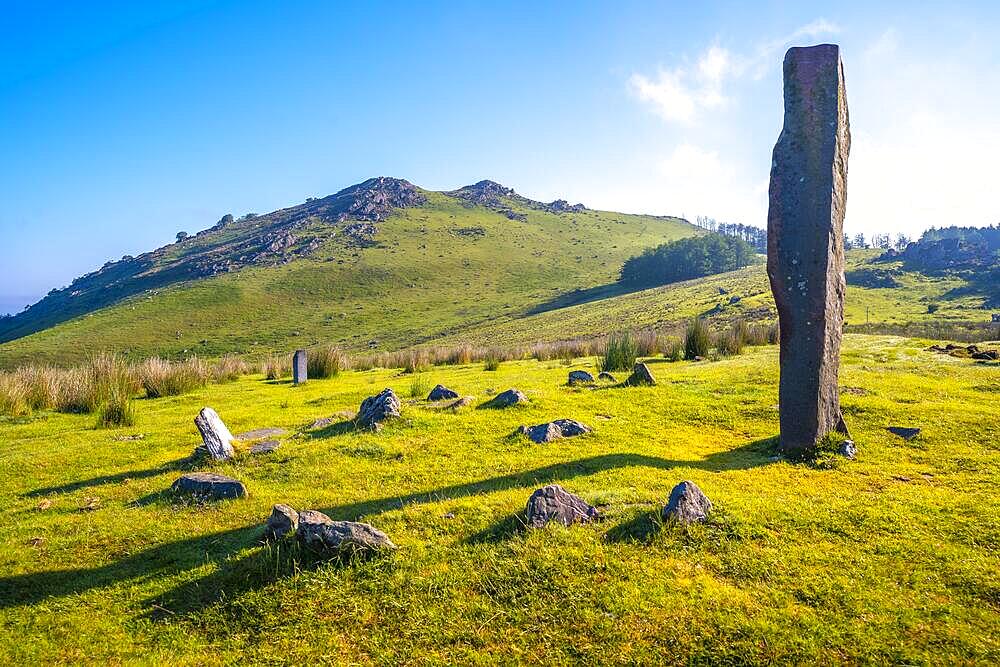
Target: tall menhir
pixel 805 243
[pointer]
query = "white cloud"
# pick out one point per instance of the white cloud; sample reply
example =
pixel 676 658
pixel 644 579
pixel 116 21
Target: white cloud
pixel 679 94
pixel 699 181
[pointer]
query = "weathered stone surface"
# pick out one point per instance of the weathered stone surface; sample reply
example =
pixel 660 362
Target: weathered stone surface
pixel 687 504
pixel 805 255
pixel 606 377
pixel 580 377
pixel 217 439
pixel 848 449
pixel 553 503
pixel 904 432
pixel 210 485
pixel 261 433
pixel 300 367
pixel 559 428
pixel 506 399
pixel 641 377
pixel 283 520
pixel 343 538
pixel 264 447
pixel 459 404
pixel 377 409
pixel 441 393
pixel 322 422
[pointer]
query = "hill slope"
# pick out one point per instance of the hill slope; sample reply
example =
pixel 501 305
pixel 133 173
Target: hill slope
pixel 383 263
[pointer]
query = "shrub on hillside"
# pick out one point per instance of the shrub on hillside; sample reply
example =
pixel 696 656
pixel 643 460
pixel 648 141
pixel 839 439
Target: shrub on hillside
pixel 620 353
pixel 697 340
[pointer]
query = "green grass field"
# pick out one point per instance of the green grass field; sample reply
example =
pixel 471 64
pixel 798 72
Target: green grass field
pixel 892 558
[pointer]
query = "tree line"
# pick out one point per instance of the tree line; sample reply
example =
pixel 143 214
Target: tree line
pixel 687 258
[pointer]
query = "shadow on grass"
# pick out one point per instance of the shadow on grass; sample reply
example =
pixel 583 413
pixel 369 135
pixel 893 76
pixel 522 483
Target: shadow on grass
pixel 506 528
pixel 587 295
pixel 185 463
pixel 639 529
pixel 339 428
pixel 235 576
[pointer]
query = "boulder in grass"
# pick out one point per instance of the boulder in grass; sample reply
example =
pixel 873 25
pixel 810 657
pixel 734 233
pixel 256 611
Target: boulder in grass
pixel 687 504
pixel 848 449
pixel 641 377
pixel 554 503
pixel 209 485
pixel 580 377
pixel 261 433
pixel 215 435
pixel 559 428
pixel 441 393
pixel 606 377
pixel 506 399
pixel 320 533
pixel 377 409
pixel 283 521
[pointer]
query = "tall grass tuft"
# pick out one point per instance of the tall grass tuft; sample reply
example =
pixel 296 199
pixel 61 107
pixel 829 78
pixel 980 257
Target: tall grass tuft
pixel 647 343
pixel 416 361
pixel 276 367
pixel 160 377
pixel 327 362
pixel 13 396
pixel 697 340
pixel 673 349
pixel 491 362
pixel 419 386
pixel 620 353
pixel 229 369
pixel 117 410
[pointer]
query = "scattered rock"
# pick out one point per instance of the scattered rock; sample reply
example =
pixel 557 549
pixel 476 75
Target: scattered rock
pixel 848 449
pixel 283 520
pixel 986 355
pixel 322 422
pixel 553 503
pixel 209 485
pixel 217 439
pixel 904 432
pixel 687 504
pixel 342 538
pixel 641 377
pixel 264 447
pixel 506 399
pixel 36 541
pixel 261 433
pixel 460 403
pixel 377 409
pixel 580 377
pixel 441 393
pixel 606 377
pixel 448 515
pixel 129 438
pixel 559 428
pixel 43 505
pixel 733 300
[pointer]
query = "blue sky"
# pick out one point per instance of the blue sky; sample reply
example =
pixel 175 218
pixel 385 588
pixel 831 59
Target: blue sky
pixel 122 123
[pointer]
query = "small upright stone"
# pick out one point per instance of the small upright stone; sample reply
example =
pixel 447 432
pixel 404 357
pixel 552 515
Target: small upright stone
pixel 805 244
pixel 641 377
pixel 283 520
pixel 687 504
pixel 300 367
pixel 215 435
pixel 580 377
pixel 553 503
pixel 377 409
pixel 441 393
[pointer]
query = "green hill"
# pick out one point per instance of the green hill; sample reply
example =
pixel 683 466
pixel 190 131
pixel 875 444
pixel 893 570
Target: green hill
pixel 382 263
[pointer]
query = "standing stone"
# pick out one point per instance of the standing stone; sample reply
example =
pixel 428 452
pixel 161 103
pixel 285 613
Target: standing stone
pixel 805 243
pixel 687 504
pixel 300 367
pixel 641 377
pixel 215 434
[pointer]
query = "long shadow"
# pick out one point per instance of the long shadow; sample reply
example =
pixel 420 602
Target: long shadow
pixel 170 466
pixel 583 296
pixel 176 557
pixel 638 529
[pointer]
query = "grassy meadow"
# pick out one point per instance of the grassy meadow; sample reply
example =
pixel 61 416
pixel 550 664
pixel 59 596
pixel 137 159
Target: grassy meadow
pixel 892 558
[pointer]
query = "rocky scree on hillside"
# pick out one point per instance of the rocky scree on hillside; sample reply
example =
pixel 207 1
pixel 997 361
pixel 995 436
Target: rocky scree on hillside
pixel 500 198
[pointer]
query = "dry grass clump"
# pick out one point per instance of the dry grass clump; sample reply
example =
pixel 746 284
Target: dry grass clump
pixel 697 340
pixel 117 410
pixel 160 377
pixel 276 367
pixel 326 361
pixel 229 369
pixel 620 353
pixel 13 396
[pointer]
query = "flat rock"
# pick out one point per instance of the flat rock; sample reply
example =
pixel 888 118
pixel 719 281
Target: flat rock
pixel 559 428
pixel 441 393
pixel 553 503
pixel 580 377
pixel 377 409
pixel 506 399
pixel 261 433
pixel 606 377
pixel 215 436
pixel 344 538
pixel 210 485
pixel 848 449
pixel 687 504
pixel 283 520
pixel 264 447
pixel 904 432
pixel 641 377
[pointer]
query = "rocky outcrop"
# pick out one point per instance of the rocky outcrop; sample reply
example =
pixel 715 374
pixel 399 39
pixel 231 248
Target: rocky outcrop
pixel 283 521
pixel 805 255
pixel 375 410
pixel 559 428
pixel 554 503
pixel 580 377
pixel 320 533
